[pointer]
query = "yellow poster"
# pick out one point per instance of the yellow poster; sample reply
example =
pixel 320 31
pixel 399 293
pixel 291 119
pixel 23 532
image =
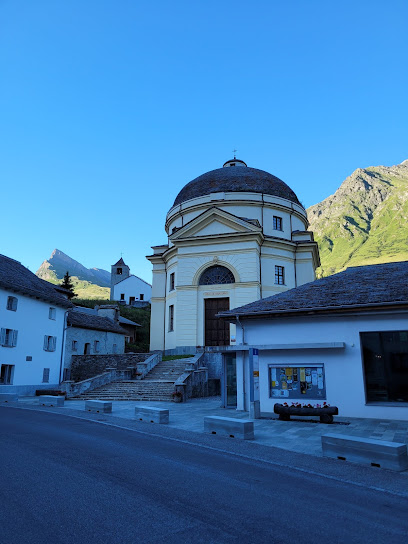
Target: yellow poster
pixel 288 371
pixel 302 375
pixel 284 386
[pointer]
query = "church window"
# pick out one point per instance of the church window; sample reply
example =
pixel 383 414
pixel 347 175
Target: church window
pixel 279 275
pixel 385 361
pixel 141 297
pixel 122 296
pixel 119 271
pixel 216 275
pixel 12 304
pixel 171 318
pixel 172 281
pixel 277 223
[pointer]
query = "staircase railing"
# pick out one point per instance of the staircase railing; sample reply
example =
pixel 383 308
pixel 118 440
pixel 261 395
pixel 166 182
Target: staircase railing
pixel 146 366
pixel 193 383
pixel 74 389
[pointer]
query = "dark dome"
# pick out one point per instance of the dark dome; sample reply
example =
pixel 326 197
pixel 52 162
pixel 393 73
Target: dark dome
pixel 236 179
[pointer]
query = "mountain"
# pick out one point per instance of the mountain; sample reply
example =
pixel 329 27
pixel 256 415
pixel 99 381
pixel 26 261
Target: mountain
pixel 88 282
pixel 365 221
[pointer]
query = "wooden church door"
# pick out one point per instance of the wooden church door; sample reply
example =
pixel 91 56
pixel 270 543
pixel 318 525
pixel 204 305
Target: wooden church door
pixel 217 331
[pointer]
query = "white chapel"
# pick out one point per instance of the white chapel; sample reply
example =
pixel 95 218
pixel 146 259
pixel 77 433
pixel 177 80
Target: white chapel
pixel 235 235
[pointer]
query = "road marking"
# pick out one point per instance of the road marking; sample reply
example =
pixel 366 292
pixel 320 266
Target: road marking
pixel 220 450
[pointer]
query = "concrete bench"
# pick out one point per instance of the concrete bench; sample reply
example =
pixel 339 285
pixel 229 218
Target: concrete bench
pixel 8 397
pixel 51 400
pixel 98 406
pixel 153 415
pixel 229 426
pixel 377 453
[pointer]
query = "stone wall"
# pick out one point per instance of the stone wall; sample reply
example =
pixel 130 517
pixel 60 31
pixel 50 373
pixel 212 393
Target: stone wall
pixel 84 367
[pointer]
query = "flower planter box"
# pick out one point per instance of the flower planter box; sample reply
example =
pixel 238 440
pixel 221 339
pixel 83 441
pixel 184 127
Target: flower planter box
pixel 325 413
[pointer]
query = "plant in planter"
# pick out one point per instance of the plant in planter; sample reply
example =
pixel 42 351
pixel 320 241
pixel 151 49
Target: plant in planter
pixel 177 396
pixel 325 412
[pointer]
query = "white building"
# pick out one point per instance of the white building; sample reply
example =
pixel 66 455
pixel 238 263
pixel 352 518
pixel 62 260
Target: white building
pixel 128 288
pixel 32 323
pixel 341 340
pixel 235 235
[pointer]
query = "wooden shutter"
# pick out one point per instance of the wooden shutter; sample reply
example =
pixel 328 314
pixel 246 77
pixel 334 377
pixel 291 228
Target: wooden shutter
pixel 3 337
pixel 45 343
pixel 14 338
pixel 53 343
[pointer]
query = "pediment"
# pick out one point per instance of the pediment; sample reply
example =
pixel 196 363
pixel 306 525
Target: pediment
pixel 215 222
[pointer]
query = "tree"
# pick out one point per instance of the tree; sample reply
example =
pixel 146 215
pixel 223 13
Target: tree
pixel 67 284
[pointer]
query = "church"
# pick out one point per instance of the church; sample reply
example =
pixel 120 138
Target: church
pixel 234 235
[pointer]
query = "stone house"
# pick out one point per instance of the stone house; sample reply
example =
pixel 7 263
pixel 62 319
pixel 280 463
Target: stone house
pixel 93 332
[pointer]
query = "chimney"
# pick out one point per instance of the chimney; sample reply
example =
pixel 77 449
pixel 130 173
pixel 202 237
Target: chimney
pixel 109 310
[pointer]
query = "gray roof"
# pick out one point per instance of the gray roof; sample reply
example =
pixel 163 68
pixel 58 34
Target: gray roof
pixel 236 179
pixel 94 311
pixel 86 320
pixel 356 288
pixel 16 277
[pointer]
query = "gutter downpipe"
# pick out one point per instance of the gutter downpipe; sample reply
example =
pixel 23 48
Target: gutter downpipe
pixel 65 327
pixel 291 238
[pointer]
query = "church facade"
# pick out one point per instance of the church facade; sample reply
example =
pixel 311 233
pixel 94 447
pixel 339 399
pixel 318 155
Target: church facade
pixel 235 235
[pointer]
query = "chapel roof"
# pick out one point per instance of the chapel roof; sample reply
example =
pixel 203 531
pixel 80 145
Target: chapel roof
pixel 120 262
pixel 355 288
pixel 16 277
pixel 236 179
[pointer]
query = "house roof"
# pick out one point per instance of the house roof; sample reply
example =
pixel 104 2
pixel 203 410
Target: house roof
pixel 16 277
pixel 133 276
pixel 85 320
pixel 239 179
pixel 94 311
pixel 360 287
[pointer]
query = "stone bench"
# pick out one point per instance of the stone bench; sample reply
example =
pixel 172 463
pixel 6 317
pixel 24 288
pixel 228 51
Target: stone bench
pixel 98 406
pixel 51 400
pixel 8 397
pixel 377 453
pixel 153 415
pixel 229 426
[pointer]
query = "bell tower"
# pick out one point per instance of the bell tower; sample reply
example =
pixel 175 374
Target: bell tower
pixel 119 272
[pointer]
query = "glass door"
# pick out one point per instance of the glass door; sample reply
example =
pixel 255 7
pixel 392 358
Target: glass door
pixel 230 380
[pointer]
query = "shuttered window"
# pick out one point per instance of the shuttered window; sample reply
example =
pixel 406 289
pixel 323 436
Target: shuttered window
pixel 50 343
pixel 12 304
pixel 46 375
pixel 96 346
pixel 8 338
pixel 52 313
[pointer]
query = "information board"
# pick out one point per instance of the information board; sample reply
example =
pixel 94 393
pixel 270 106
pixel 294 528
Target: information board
pixel 293 382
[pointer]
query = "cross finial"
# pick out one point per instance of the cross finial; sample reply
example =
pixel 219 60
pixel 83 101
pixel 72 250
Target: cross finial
pixel 234 151
pixel 121 254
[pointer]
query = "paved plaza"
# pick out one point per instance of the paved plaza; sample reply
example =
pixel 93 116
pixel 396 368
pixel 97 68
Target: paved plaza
pixel 298 435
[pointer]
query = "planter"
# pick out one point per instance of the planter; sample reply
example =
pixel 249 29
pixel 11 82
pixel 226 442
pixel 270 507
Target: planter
pixel 325 413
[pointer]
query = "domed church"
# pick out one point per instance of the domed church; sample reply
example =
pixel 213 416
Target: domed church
pixel 235 235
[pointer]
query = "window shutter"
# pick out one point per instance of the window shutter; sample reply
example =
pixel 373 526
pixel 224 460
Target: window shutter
pixel 14 304
pixel 14 338
pixel 3 337
pixel 45 342
pixel 53 343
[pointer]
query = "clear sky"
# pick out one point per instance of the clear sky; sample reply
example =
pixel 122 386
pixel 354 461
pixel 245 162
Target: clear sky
pixel 109 107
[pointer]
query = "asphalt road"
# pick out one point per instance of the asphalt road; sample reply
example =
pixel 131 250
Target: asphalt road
pixel 66 480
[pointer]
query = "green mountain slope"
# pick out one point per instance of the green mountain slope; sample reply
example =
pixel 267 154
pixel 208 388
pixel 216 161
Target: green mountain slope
pixel 365 221
pixel 88 283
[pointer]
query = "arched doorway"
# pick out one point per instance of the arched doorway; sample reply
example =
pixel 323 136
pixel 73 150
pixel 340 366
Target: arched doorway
pixel 217 331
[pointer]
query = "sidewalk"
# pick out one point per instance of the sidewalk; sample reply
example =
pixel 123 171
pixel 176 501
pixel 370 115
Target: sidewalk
pixel 298 435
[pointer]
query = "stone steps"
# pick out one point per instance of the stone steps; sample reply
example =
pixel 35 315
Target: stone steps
pixel 158 385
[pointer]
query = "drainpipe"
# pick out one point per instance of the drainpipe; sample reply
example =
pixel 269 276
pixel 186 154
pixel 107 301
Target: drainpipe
pixel 242 327
pixel 294 262
pixel 65 327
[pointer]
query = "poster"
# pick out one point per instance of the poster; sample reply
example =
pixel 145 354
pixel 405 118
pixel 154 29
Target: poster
pixel 297 382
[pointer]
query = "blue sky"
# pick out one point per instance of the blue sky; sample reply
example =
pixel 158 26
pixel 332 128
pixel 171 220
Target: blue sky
pixel 108 108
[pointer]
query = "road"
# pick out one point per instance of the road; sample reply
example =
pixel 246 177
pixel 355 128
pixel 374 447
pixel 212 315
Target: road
pixel 66 480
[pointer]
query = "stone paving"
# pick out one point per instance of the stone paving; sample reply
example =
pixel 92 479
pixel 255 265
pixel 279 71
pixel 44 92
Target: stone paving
pixel 298 435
